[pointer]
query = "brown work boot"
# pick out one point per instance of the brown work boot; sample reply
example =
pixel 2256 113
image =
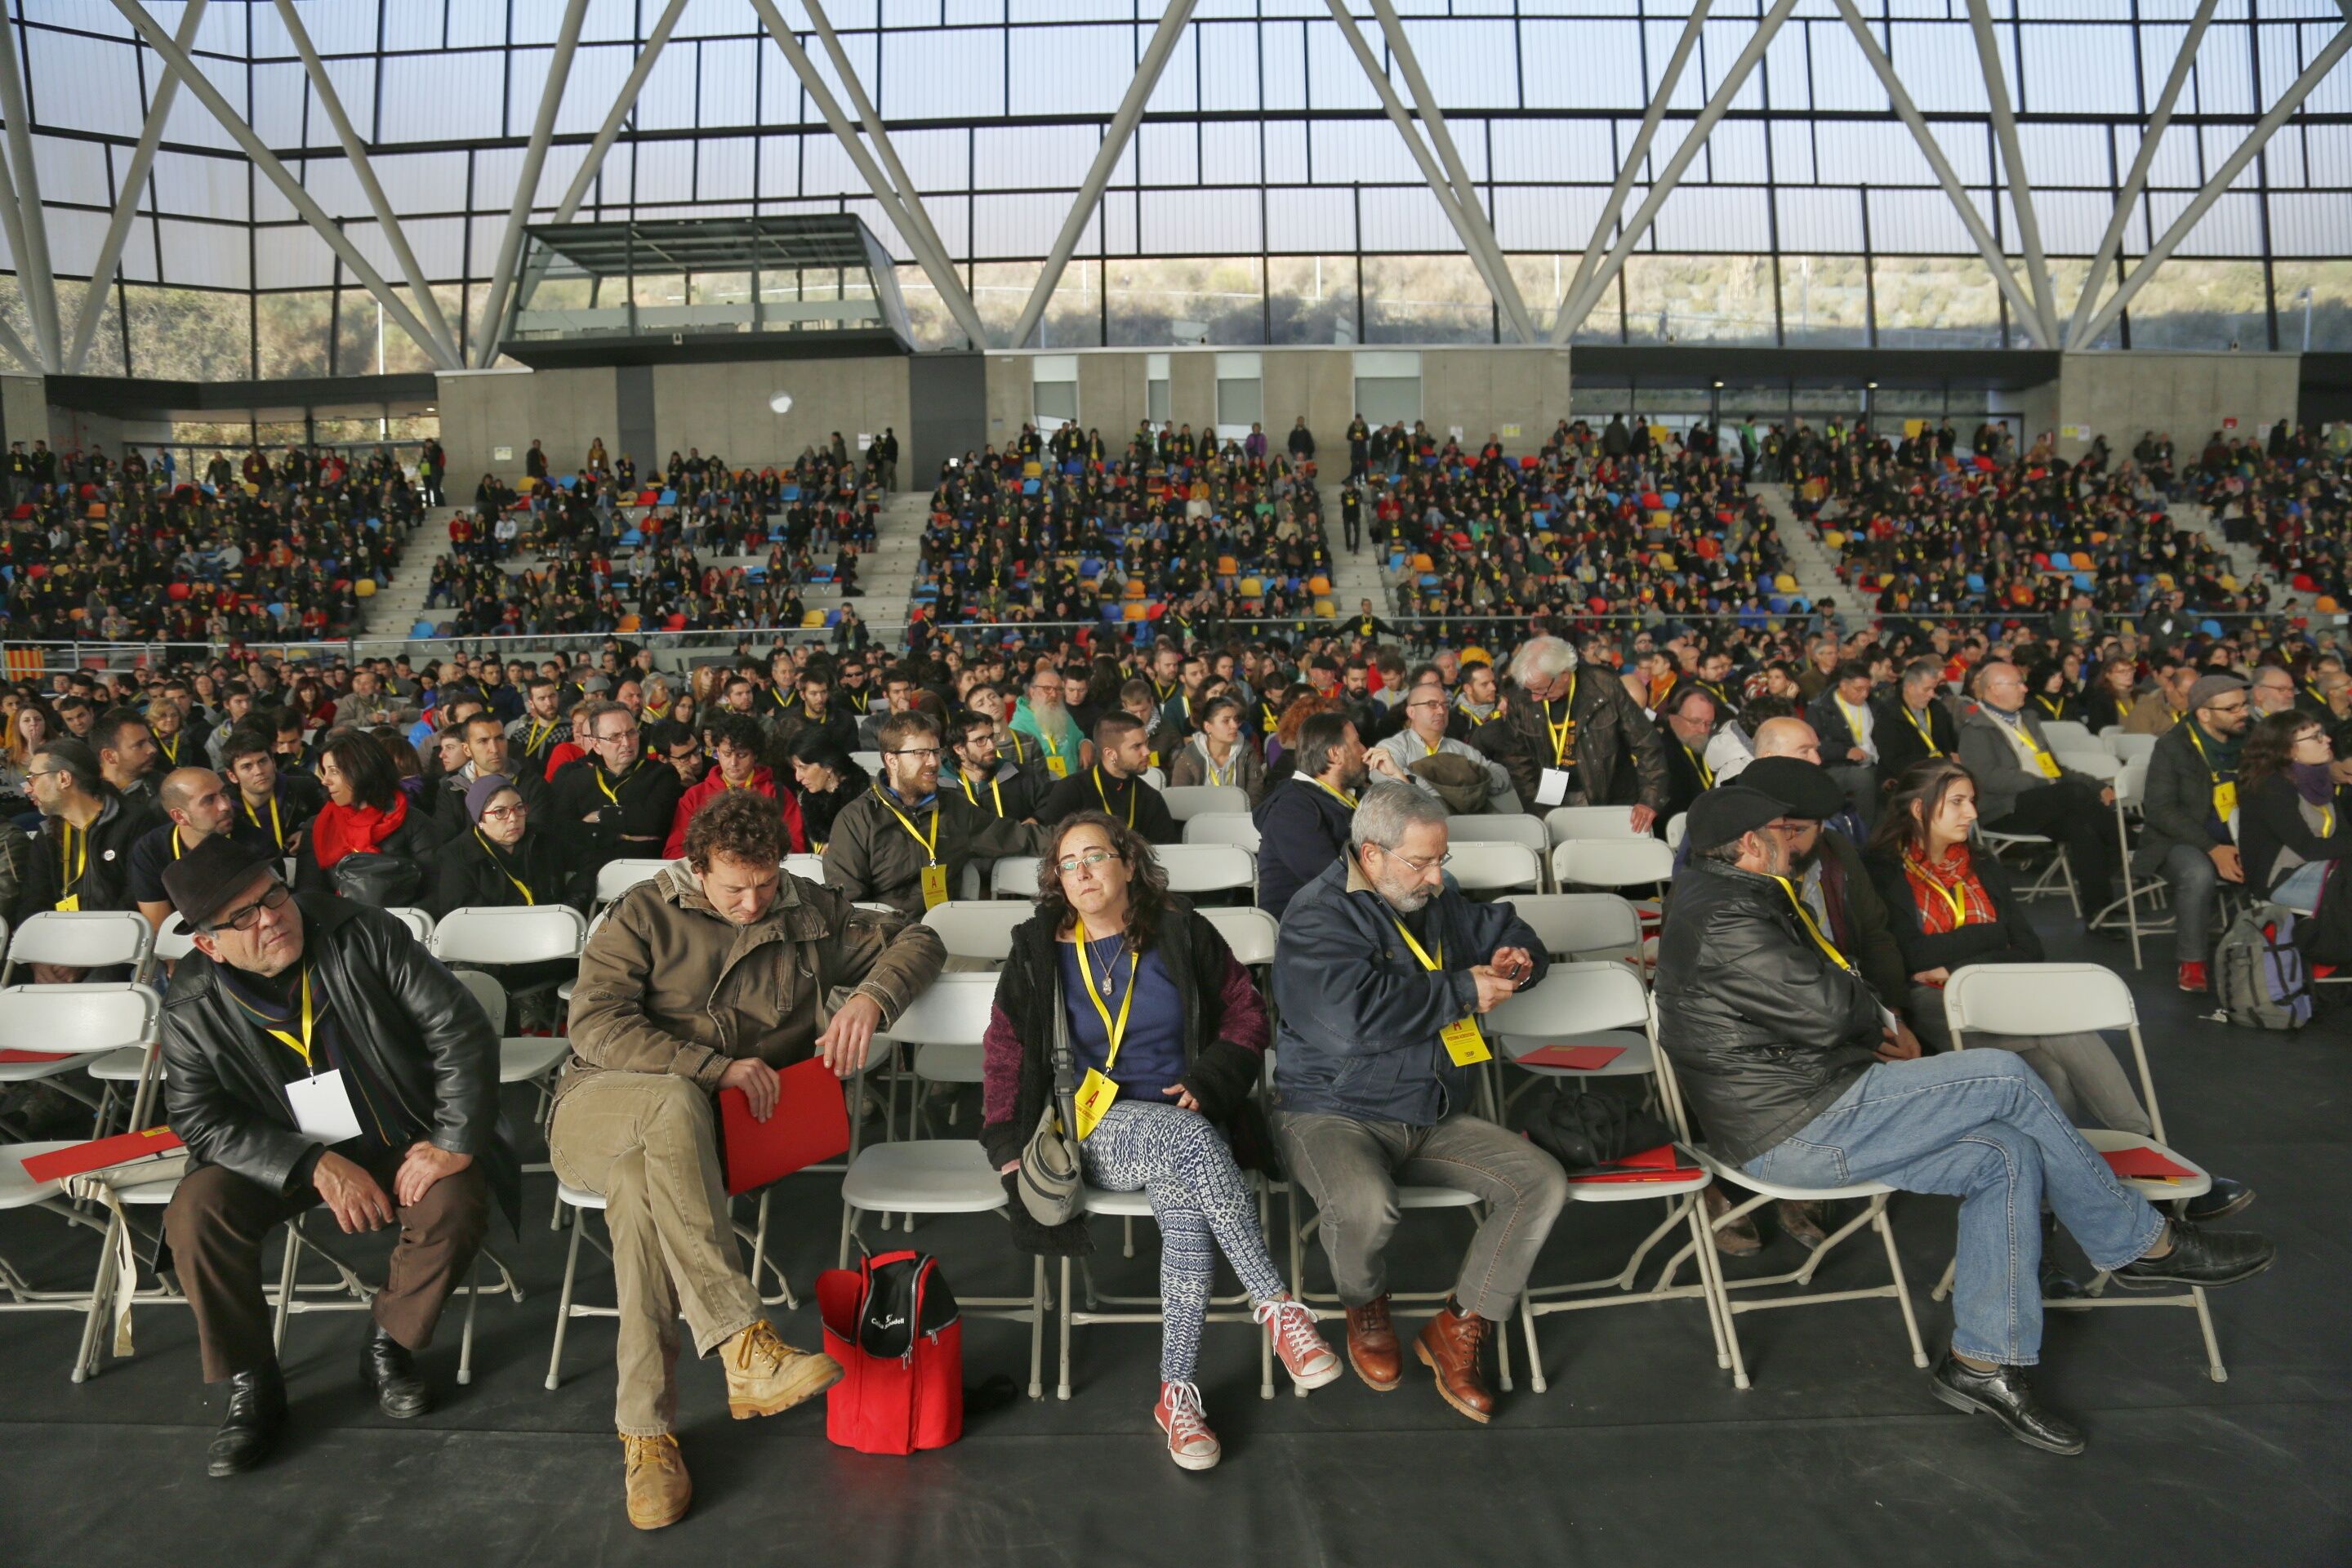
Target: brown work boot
pixel 1373 1345
pixel 655 1480
pixel 1448 1345
pixel 765 1375
pixel 1801 1221
pixel 1739 1239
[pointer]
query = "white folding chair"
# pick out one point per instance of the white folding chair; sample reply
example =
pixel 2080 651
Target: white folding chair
pixel 2066 735
pixel 1478 868
pixel 1015 877
pixel 1156 779
pixel 617 877
pixel 77 1024
pixel 1186 802
pixel 2127 747
pixel 1250 932
pixel 84 939
pixel 1873 1194
pixel 1676 826
pixel 535 933
pixel 1207 867
pixel 1499 828
pixel 944 1175
pixel 2092 759
pixel 870 761
pixel 1565 822
pixel 807 867
pixel 2131 789
pixel 1581 925
pixel 979 930
pixel 2072 999
pixel 1614 863
pixel 1602 1004
pixel 419 923
pixel 2058 876
pixel 1223 827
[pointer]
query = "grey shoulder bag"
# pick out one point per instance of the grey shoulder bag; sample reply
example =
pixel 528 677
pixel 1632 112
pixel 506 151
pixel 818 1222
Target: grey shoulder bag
pixel 1049 1162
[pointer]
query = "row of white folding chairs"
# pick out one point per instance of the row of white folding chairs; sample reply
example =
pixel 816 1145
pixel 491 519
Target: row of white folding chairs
pixel 1191 868
pixel 2066 735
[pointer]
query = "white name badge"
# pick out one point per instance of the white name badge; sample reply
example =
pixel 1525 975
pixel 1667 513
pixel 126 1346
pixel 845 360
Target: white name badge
pixel 322 1107
pixel 1552 788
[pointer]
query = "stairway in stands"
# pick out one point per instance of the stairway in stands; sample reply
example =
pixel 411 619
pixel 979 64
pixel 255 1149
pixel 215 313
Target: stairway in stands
pixel 2244 565
pixel 1810 560
pixel 1359 574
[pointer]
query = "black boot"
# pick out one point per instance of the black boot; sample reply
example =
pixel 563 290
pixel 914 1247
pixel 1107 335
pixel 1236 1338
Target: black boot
pixel 388 1370
pixel 257 1414
pixel 2004 1394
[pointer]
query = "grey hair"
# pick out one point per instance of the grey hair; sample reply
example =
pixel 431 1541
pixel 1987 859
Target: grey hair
pixel 1387 809
pixel 1922 669
pixel 1542 659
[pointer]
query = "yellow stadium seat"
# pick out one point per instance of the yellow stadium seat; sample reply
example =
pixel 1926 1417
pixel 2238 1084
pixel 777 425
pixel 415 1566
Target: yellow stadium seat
pixel 1473 652
pixel 2324 605
pixel 1785 582
pixel 1325 609
pixel 1033 470
pixel 628 623
pixel 1422 563
pixel 1664 561
pixel 364 587
pixel 1662 519
pixel 812 620
pixel 2229 582
pixel 1227 565
pixel 1253 588
pixel 1833 539
pixel 1134 588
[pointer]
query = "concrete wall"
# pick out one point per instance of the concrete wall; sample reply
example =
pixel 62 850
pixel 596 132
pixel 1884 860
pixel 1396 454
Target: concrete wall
pixel 724 407
pixel 2190 395
pixel 24 409
pixel 563 409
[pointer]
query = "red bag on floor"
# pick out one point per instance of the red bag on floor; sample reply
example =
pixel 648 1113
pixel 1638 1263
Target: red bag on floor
pixel 893 1325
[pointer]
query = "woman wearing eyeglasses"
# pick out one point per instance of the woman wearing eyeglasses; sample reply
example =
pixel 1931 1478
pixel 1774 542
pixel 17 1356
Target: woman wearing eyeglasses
pixel 1168 1034
pixel 505 859
pixel 2294 818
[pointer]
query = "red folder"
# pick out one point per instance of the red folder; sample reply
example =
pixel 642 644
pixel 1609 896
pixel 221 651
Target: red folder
pixel 810 1122
pixel 100 1154
pixel 2144 1163
pixel 1581 1058
pixel 1662 1163
pixel 15 1056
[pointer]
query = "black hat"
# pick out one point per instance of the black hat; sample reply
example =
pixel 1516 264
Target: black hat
pixel 1803 789
pixel 201 882
pixel 1724 815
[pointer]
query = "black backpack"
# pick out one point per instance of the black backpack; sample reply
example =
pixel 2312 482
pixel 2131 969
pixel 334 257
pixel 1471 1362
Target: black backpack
pixel 1588 1132
pixel 379 881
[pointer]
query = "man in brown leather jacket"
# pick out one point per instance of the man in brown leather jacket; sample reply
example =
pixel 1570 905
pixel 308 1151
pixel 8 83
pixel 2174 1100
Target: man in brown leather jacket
pixel 1572 737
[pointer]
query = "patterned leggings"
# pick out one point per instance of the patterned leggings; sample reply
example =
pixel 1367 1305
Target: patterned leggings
pixel 1176 1158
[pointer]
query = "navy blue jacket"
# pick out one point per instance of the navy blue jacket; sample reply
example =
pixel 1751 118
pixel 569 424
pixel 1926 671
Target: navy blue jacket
pixel 1361 1016
pixel 1302 828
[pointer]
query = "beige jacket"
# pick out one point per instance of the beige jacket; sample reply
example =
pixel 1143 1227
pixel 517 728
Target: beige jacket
pixel 669 984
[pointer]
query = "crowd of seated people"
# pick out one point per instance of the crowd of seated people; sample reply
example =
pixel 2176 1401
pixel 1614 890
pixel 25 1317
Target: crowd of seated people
pixel 1061 528
pixel 1597 523
pixel 1826 786
pixel 133 551
pixel 2290 501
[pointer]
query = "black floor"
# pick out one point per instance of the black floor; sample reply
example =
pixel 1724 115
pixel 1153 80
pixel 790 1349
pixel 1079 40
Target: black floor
pixel 1642 1452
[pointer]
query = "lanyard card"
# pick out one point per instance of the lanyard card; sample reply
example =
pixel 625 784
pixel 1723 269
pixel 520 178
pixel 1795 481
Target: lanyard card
pixel 1058 766
pixel 935 886
pixel 1463 1043
pixel 1551 789
pixel 322 1107
pixel 1094 1096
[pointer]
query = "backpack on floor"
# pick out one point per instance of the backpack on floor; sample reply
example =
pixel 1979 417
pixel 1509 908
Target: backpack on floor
pixel 2260 976
pixel 894 1326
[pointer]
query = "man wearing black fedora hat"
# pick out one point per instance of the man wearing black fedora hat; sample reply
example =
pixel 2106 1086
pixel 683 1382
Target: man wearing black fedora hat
pixel 314 1053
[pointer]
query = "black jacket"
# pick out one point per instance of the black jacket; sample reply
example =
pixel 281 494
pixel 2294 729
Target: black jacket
pixel 1901 747
pixel 1130 801
pixel 472 873
pixel 2179 799
pixel 1301 829
pixel 1616 754
pixel 103 863
pixel 1764 1030
pixel 419 837
pixel 2009 939
pixel 298 798
pixel 1685 772
pixel 2271 819
pixel 418 1030
pixel 638 825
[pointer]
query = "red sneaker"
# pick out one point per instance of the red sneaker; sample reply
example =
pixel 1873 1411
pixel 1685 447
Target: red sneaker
pixel 2192 978
pixel 1190 1442
pixel 1305 1356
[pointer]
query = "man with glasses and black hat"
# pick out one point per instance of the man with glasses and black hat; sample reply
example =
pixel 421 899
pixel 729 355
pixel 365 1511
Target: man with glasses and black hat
pixel 1783 1052
pixel 314 1052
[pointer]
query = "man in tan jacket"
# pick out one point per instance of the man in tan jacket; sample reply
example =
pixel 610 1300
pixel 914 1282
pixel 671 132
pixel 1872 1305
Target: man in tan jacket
pixel 2160 710
pixel 711 975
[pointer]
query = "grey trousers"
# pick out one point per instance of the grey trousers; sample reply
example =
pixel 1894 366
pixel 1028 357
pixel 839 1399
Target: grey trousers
pixel 2085 1078
pixel 1352 1168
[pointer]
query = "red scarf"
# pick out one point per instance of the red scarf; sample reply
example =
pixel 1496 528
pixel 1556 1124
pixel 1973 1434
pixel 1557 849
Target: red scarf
pixel 340 830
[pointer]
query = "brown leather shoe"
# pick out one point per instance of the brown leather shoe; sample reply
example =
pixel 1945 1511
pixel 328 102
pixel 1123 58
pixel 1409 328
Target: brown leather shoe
pixel 1449 1347
pixel 1739 1239
pixel 1373 1345
pixel 656 1482
pixel 1801 1222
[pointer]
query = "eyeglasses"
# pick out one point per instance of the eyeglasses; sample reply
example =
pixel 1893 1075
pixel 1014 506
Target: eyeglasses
pixel 618 738
pixel 2313 736
pixel 505 813
pixel 1088 861
pixel 916 751
pixel 1420 867
pixel 2226 708
pixel 244 919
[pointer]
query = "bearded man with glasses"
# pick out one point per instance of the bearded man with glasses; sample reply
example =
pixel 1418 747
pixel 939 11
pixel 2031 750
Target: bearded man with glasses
pixel 905 842
pixel 314 1052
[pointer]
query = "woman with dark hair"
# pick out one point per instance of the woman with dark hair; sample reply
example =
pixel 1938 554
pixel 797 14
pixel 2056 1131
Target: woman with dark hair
pixel 2110 697
pixel 2295 820
pixel 367 813
pixel 828 778
pixel 1169 1034
pixel 2047 689
pixel 1219 754
pixel 1951 907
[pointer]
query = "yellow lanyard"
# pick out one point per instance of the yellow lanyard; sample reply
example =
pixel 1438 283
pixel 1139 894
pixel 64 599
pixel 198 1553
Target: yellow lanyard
pixel 2023 739
pixel 509 876
pixel 1853 720
pixel 539 730
pixel 1233 766
pixel 1706 773
pixel 1564 729
pixel 277 829
pixel 2212 775
pixel 1268 717
pixel 2327 822
pixel 176 848
pixel 2056 709
pixel 1925 734
pixel 931 845
pixel 170 749
pixel 1954 895
pixel 1811 929
pixel 608 788
pixel 1342 796
pixel 1052 752
pixel 1431 965
pixel 995 793
pixel 74 872
pixel 1131 793
pixel 1114 1031
pixel 2225 791
pixel 300 1048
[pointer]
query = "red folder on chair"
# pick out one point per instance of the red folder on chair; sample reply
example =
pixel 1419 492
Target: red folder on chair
pixel 1580 1059
pixel 19 1057
pixel 1662 1163
pixel 100 1154
pixel 2144 1163
pixel 810 1122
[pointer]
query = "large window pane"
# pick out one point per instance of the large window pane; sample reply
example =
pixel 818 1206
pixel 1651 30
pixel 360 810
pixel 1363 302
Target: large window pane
pixel 1935 301
pixel 190 334
pixel 1426 299
pixel 1213 299
pixel 292 333
pixel 2200 305
pixel 106 342
pixel 1824 301
pixel 2327 314
pixel 1698 299
pixel 1312 298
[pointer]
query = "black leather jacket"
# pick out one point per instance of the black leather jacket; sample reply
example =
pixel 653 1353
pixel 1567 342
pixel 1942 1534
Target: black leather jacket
pixel 422 1033
pixel 1764 1031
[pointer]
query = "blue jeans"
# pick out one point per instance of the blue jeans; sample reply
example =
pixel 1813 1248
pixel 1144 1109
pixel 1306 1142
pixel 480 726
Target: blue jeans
pixel 2195 880
pixel 1980 1126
